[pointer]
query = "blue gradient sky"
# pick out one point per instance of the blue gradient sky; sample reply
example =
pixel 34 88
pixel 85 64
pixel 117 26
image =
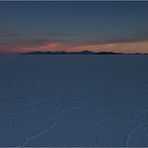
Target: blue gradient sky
pixel 74 26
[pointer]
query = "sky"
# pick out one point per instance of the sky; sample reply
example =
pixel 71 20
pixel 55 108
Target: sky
pixel 117 26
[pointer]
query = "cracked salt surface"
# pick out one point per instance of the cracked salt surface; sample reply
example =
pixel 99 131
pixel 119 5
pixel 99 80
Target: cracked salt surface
pixel 73 101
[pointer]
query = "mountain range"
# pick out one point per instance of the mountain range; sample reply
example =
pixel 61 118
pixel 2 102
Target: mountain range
pixel 84 52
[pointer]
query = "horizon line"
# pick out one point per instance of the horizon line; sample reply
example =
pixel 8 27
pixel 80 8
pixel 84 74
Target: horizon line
pixel 86 52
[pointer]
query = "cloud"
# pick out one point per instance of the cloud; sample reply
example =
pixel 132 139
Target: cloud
pixel 127 47
pixel 13 38
pixel 57 34
pixel 11 41
pixel 130 37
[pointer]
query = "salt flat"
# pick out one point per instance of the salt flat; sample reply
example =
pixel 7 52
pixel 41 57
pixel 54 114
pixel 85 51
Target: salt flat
pixel 91 100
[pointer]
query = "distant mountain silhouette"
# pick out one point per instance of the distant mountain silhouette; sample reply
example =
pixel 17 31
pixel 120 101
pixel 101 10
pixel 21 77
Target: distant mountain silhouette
pixel 85 52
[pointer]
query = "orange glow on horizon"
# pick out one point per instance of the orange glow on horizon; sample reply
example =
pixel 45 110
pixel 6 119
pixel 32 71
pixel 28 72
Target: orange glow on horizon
pixel 127 47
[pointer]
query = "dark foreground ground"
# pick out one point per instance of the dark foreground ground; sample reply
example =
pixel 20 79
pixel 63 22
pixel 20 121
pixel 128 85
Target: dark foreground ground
pixel 74 100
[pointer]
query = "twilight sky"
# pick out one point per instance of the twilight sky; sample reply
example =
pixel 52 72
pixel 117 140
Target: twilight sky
pixel 74 26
